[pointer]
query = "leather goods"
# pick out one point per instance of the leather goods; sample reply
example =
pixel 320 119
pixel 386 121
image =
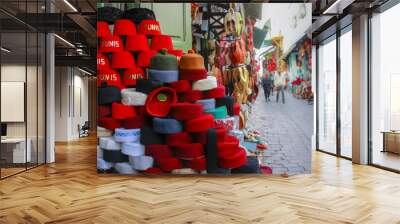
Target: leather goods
pixel 238 52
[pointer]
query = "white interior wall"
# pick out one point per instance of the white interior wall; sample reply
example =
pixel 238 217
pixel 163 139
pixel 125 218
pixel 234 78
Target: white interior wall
pixel 70 84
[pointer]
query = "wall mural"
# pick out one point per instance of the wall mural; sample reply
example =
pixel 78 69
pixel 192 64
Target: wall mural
pixel 169 104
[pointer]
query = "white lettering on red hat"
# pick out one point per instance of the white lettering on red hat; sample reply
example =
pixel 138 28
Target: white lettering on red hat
pixel 101 61
pixel 153 27
pixel 135 76
pixel 112 43
pixel 108 77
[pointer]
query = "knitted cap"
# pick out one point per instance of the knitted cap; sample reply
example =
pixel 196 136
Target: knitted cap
pixel 164 61
pixel 124 27
pixel 192 61
pixel 137 43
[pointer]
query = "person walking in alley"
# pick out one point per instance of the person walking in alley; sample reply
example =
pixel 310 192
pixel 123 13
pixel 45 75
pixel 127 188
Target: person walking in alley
pixel 280 81
pixel 266 82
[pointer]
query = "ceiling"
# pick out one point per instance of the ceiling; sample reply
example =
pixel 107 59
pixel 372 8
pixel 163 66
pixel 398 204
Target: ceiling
pixel 72 20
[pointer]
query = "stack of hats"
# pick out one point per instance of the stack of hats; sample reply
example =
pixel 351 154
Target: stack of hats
pixel 158 111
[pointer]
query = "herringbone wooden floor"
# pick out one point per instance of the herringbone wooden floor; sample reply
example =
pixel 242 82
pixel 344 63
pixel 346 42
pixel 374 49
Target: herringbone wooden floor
pixel 70 191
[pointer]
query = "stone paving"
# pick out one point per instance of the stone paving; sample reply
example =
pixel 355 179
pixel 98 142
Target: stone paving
pixel 287 129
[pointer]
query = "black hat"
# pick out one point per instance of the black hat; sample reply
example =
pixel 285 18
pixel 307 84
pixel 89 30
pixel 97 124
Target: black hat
pixel 108 94
pixel 139 14
pixel 108 14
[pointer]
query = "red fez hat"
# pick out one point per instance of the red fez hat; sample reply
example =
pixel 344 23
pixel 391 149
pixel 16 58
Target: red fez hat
pixel 103 30
pixel 137 43
pixel 123 59
pixel 111 44
pixel 124 27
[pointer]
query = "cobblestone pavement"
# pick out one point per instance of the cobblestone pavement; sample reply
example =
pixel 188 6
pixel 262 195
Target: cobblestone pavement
pixel 287 129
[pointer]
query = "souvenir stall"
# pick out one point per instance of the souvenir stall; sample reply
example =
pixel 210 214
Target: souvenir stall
pixel 161 110
pixel 228 31
pixel 300 60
